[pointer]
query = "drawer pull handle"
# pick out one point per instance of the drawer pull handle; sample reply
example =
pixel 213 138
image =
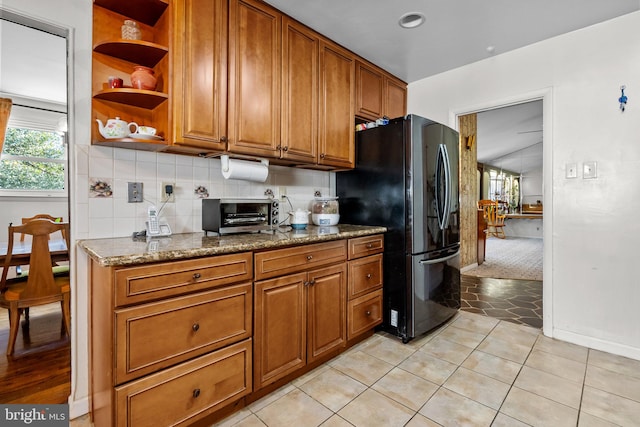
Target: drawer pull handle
pixel 195 327
pixel 369 245
pixel 369 276
pixel 196 276
pixel 309 257
pixel 368 313
pixel 196 393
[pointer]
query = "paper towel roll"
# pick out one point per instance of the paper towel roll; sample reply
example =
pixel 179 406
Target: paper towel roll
pixel 244 169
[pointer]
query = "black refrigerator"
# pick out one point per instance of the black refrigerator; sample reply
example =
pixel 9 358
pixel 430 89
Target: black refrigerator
pixel 407 179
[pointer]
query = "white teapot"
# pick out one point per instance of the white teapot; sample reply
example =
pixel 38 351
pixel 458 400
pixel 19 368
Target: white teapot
pixel 116 128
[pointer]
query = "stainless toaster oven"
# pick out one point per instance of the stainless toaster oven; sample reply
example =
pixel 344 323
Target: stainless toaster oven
pixel 226 216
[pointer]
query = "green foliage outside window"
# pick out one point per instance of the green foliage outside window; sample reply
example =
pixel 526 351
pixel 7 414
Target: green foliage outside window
pixel 32 160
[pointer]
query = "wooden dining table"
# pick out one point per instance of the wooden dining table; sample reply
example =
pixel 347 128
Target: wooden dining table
pixel 22 251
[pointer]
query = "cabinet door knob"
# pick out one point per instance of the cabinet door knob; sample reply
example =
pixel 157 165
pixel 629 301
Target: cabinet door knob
pixel 196 276
pixel 313 282
pixel 369 276
pixel 322 155
pixel 309 257
pixel 223 138
pixel 195 327
pixel 368 313
pixel 196 393
pixel 285 148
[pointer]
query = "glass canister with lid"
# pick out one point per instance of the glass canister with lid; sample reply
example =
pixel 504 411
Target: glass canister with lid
pixel 131 30
pixel 325 211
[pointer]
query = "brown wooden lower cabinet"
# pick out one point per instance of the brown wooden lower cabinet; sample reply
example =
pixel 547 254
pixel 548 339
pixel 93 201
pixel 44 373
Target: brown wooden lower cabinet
pixel 365 312
pixel 365 285
pixel 189 341
pixel 298 319
pixel 177 355
pixel 188 392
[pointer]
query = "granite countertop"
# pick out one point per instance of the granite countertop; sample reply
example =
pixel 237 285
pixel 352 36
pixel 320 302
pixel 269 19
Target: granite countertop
pixel 129 251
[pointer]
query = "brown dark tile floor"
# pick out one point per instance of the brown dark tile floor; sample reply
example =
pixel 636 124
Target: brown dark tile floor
pixel 516 301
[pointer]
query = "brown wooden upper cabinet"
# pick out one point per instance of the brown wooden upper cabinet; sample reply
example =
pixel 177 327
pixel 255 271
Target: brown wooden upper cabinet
pixel 378 93
pixel 254 78
pixel 241 78
pixel 337 89
pixel 300 101
pixel 199 79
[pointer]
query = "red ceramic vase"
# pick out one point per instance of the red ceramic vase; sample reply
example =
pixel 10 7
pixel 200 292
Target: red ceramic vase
pixel 143 78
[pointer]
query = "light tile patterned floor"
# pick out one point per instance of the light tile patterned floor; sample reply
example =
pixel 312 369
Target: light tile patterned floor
pixel 474 371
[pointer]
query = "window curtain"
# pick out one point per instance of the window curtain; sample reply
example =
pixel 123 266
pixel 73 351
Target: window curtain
pixel 5 110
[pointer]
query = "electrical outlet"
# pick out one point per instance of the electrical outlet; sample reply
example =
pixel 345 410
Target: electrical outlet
pixel 282 191
pixel 168 196
pixel 135 192
pixel 394 318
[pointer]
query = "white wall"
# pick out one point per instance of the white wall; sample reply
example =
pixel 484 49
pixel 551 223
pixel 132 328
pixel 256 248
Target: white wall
pixel 531 187
pixel 16 208
pixel 591 226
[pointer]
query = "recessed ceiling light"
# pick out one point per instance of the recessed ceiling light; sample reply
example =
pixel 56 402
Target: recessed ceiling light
pixel 411 20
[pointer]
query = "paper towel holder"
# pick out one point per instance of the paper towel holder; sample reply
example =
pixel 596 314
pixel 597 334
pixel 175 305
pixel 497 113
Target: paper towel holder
pixel 224 159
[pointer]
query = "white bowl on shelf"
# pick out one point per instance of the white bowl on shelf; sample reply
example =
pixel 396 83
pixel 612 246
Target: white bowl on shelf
pixel 325 219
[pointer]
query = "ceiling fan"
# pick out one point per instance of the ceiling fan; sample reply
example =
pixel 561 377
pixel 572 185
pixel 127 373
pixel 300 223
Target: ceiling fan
pixel 528 131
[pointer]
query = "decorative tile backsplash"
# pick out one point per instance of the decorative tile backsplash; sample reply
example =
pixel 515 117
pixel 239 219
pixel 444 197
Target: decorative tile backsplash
pixel 104 211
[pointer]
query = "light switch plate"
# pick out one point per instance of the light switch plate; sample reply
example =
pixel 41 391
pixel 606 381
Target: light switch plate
pixel 589 170
pixel 571 170
pixel 135 192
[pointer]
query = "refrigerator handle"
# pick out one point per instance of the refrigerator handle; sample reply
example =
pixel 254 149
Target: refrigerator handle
pixel 438 260
pixel 442 161
pixel 447 172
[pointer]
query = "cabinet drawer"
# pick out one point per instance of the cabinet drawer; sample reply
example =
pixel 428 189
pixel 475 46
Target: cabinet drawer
pixel 187 392
pixel 149 282
pixel 156 335
pixel 365 246
pixel 292 260
pixel 365 275
pixel 364 313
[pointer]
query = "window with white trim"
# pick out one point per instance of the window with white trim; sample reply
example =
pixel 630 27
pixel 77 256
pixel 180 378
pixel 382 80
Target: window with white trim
pixel 33 161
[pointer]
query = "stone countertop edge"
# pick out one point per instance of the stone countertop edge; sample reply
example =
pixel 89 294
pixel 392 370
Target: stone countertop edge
pixel 122 251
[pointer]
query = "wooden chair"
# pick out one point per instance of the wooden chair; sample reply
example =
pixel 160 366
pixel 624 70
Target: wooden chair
pixel 19 269
pixel 495 220
pixel 41 286
pixel 41 216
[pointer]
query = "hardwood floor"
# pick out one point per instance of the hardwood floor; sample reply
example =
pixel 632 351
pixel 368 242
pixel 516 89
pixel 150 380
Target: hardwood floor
pixel 39 371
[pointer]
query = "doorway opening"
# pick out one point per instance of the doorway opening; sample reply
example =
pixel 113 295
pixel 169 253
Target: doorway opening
pixel 34 76
pixel 506 279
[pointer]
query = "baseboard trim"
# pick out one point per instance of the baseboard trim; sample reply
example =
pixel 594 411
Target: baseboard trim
pixel 597 344
pixel 78 408
pixel 469 267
